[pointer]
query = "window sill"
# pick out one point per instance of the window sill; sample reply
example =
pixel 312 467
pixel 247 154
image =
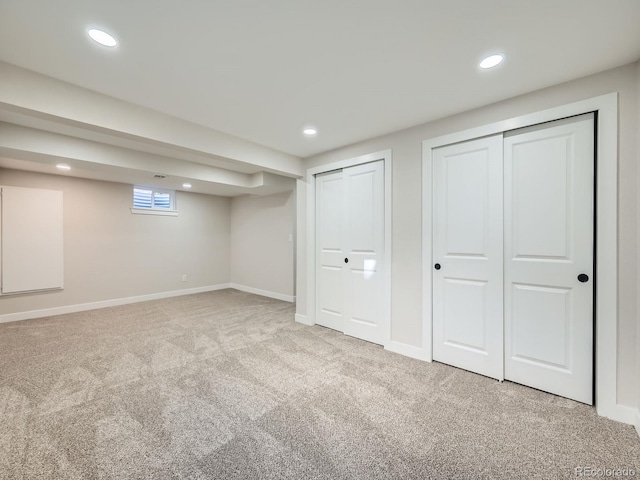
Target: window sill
pixel 155 211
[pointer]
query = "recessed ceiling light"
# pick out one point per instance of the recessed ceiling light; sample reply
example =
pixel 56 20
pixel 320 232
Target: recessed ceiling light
pixel 186 185
pixel 492 61
pixel 102 37
pixel 310 131
pixel 62 166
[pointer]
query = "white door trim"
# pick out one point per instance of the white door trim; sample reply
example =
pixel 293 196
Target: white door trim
pixel 606 233
pixel 385 156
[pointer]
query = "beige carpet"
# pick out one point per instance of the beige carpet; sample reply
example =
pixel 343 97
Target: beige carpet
pixel 226 385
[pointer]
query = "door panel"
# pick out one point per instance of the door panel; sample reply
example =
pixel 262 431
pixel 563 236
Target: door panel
pixel 350 251
pixel 465 304
pixel 467 243
pixel 549 207
pixel 466 202
pixel 541 325
pixel 330 198
pixel 364 186
pixel 363 309
pixel 330 255
pixel 362 223
pixel 540 198
pixel 330 292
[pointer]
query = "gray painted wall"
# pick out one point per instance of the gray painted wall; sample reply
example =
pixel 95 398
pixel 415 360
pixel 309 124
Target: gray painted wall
pixel 110 253
pixel 262 256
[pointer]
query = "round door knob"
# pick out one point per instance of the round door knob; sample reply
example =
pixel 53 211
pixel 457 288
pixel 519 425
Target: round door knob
pixel 583 278
pixel 437 266
pixel 346 260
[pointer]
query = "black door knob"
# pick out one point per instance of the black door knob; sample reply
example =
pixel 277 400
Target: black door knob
pixel 583 278
pixel 437 266
pixel 346 260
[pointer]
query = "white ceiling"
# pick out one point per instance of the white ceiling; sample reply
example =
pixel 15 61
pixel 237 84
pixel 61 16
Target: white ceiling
pixel 263 69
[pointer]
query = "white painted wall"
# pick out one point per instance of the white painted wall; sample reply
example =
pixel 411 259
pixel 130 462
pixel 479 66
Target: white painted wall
pixel 262 255
pixel 406 192
pixel 110 253
pixel 34 95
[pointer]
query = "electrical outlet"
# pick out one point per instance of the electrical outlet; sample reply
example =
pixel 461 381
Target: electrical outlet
pixel 184 277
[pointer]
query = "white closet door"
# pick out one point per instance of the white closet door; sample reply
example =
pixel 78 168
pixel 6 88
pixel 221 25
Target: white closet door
pixel 350 251
pixel 549 208
pixel 364 241
pixel 468 256
pixel 330 247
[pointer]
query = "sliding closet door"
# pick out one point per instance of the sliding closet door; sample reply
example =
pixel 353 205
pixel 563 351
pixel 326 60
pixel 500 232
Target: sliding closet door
pixel 330 249
pixel 468 256
pixel 350 251
pixel 549 211
pixel 364 185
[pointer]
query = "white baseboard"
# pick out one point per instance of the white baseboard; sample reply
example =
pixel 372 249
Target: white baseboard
pixel 623 414
pixel 264 293
pixel 407 350
pixel 49 312
pixel 303 319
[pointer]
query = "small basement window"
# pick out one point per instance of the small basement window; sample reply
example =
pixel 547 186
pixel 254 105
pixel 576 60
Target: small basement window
pixel 154 201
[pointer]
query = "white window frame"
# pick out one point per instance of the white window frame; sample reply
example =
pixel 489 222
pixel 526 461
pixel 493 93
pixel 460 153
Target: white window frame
pixel 171 211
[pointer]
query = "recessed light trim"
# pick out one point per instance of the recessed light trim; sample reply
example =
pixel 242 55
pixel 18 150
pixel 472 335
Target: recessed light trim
pixel 310 131
pixel 492 61
pixel 62 166
pixel 102 37
pixel 186 185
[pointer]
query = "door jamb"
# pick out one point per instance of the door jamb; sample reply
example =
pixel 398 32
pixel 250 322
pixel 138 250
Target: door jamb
pixel 606 313
pixel 386 157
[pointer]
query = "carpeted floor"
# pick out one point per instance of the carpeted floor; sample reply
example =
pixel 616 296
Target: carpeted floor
pixel 226 385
